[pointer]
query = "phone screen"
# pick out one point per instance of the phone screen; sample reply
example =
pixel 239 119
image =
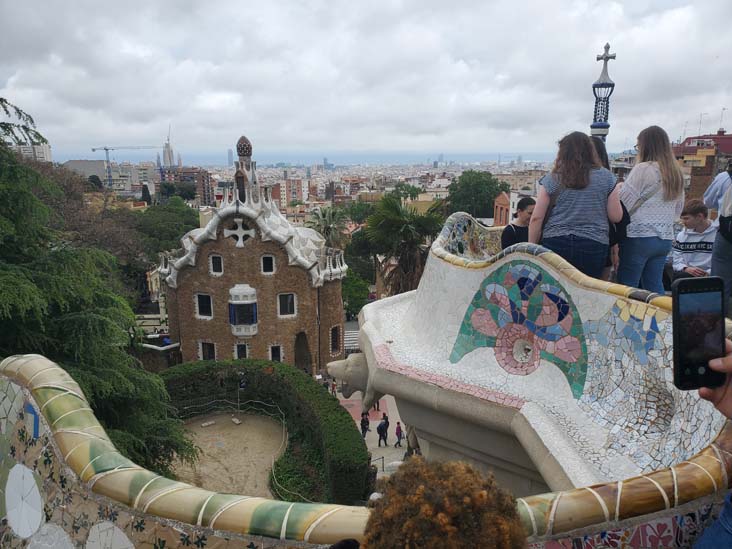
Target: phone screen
pixel 700 334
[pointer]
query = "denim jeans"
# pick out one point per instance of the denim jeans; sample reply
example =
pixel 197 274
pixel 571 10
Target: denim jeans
pixel 584 254
pixel 719 534
pixel 642 261
pixel 722 262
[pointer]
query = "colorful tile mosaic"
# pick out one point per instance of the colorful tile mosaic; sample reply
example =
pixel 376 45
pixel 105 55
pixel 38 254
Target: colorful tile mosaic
pixel 680 530
pixel 524 313
pixel 67 487
pixel 465 237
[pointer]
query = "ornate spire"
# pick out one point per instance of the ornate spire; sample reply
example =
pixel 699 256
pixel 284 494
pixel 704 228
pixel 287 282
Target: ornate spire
pixel 602 89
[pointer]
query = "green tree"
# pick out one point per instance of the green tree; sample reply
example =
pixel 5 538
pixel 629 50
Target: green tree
pixel 403 236
pixel 95 182
pixel 405 190
pixel 360 256
pixel 331 223
pixel 359 211
pixel 146 194
pixel 20 128
pixel 355 291
pixel 474 192
pixel 187 191
pixel 163 226
pixel 58 300
pixel 294 203
pixel 167 189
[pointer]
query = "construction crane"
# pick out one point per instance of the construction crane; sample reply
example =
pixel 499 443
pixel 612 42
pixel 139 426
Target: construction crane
pixel 106 152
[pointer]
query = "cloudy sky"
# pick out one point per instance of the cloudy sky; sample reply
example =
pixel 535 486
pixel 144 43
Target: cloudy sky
pixel 325 77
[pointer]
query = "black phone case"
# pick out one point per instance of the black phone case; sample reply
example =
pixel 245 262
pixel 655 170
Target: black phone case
pixel 694 381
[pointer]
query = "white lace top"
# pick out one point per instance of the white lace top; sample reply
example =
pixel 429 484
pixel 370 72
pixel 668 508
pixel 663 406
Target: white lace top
pixel 656 216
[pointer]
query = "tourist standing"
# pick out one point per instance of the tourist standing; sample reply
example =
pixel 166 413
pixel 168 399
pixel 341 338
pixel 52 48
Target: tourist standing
pixel 654 196
pixel 364 424
pixel 385 419
pixel 399 435
pixel 381 431
pixel 518 230
pixel 334 388
pixel 576 200
pixel 719 196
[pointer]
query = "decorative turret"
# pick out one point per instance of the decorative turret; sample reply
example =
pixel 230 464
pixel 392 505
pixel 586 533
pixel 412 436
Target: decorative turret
pixel 250 207
pixel 244 148
pixel 602 89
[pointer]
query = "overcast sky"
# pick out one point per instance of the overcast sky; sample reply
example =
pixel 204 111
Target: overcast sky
pixel 326 76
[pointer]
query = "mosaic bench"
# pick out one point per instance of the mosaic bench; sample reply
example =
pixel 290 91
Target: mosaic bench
pixel 556 382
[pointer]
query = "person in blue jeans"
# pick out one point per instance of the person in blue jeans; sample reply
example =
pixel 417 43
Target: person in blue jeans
pixel 653 193
pixel 577 198
pixel 719 534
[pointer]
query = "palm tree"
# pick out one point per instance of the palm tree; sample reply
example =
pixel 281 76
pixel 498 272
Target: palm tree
pixel 403 235
pixel 331 223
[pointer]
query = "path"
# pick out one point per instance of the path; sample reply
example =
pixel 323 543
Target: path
pixel 392 456
pixel 235 459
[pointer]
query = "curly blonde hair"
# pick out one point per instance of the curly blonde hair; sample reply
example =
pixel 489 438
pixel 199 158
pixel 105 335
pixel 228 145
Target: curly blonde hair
pixel 448 505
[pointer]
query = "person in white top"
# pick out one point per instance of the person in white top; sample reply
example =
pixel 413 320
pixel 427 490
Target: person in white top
pixel 653 192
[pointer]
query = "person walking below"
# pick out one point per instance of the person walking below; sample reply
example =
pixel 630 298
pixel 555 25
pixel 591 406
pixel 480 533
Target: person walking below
pixel 576 200
pixel 364 424
pixel 399 435
pixel 381 431
pixel 518 230
pixel 334 389
pixel 385 419
pixel 654 195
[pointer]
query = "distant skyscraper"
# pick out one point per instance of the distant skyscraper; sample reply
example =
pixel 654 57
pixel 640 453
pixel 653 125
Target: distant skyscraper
pixel 168 156
pixel 158 160
pixel 231 158
pixel 602 89
pixel 441 158
pixel 180 161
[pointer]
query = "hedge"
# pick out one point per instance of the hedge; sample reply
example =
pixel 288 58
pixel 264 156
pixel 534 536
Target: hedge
pixel 315 420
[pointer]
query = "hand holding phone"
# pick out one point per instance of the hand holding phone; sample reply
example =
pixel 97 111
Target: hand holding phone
pixel 698 330
pixel 721 396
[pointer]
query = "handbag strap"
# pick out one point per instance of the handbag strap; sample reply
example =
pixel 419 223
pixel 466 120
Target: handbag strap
pixel 643 199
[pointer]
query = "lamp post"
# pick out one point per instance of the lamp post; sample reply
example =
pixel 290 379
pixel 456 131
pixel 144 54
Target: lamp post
pixel 602 89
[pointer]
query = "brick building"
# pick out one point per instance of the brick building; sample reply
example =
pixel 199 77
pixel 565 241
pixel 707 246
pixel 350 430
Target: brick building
pixel 702 157
pixel 251 285
pixel 502 209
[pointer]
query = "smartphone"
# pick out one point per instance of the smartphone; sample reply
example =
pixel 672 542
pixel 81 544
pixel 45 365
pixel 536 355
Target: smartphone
pixel 698 326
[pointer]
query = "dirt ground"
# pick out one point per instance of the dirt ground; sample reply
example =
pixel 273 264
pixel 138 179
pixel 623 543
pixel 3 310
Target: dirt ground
pixel 235 459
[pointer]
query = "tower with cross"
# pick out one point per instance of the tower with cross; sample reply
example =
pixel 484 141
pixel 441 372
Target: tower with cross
pixel 602 89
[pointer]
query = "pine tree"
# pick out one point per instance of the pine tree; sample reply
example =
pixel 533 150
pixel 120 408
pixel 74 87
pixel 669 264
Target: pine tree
pixel 58 300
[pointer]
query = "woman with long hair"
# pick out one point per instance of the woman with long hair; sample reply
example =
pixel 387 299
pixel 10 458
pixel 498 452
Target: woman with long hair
pixel 654 195
pixel 577 198
pixel 518 230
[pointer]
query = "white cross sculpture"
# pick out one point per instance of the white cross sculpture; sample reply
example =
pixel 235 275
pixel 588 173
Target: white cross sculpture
pixel 605 57
pixel 240 232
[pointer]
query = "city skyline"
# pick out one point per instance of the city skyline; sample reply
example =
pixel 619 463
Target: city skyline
pixel 315 79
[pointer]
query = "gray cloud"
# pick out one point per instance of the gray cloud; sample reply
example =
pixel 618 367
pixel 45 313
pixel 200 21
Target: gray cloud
pixel 423 76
